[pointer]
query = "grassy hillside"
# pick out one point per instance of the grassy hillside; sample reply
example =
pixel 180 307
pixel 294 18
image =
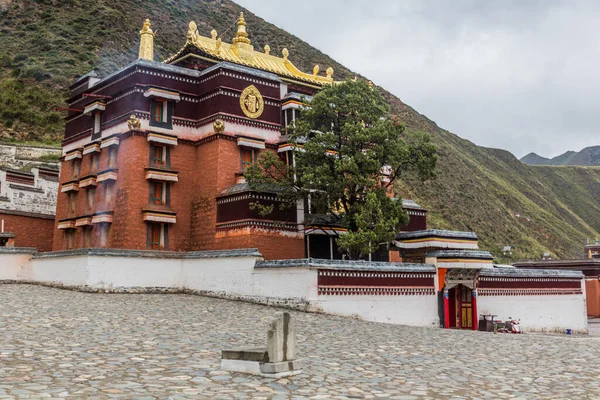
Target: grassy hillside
pixel 45 44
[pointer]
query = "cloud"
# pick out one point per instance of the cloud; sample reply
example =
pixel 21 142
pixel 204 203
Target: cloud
pixel 517 75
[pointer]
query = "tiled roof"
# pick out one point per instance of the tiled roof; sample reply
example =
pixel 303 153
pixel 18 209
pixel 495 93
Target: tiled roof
pixel 529 273
pixel 477 254
pixel 436 233
pixel 353 265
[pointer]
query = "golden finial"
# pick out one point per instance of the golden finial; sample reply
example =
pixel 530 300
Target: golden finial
pixel 329 72
pixel 316 70
pixel 241 36
pixel 285 53
pixel 146 42
pixel 267 49
pixel 192 31
pixel 218 45
pixel 213 34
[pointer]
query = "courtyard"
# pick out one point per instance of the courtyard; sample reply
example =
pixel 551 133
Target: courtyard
pixel 63 344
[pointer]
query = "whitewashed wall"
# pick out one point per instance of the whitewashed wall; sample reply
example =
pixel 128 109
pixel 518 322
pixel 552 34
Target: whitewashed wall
pixel 236 277
pixel 415 310
pixel 14 265
pixel 539 313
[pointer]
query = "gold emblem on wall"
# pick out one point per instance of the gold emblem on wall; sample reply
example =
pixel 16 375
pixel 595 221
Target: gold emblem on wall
pixel 251 102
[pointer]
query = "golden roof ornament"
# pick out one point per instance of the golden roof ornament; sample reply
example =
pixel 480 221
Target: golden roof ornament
pixel 241 36
pixel 241 52
pixel 316 70
pixel 146 42
pixel 192 32
pixel 219 126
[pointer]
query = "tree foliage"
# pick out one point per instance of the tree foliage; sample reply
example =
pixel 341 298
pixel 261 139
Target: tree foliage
pixel 349 153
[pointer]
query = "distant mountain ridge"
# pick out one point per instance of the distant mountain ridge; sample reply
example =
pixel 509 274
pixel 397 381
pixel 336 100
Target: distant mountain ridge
pixel 588 157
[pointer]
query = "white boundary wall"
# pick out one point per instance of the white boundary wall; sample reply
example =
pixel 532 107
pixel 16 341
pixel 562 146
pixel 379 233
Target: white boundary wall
pixel 232 274
pixel 539 313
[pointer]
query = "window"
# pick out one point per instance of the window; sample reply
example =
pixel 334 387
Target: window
pixel 112 157
pixel 96 125
pixel 87 236
pixel 76 169
pixel 71 203
pixel 108 193
pixel 90 197
pixel 157 236
pixel 158 112
pixel 159 193
pixel 159 155
pixel 161 113
pixel 104 232
pixel 248 157
pixel 95 163
pixel 69 239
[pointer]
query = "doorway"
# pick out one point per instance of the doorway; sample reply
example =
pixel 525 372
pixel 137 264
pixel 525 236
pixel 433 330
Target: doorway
pixel 461 307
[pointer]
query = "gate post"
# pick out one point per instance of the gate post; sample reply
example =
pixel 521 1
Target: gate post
pixel 446 309
pixel 475 316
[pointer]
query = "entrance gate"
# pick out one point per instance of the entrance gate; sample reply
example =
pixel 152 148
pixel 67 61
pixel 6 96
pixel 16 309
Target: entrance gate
pixel 460 299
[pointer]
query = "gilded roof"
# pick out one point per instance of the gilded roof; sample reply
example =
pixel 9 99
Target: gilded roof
pixel 241 51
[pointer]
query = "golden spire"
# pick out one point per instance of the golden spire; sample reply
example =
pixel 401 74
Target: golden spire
pixel 241 36
pixel 146 42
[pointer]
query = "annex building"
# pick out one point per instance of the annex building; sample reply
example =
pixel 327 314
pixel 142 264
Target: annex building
pixel 152 196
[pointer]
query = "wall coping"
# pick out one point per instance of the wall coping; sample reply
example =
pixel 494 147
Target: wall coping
pixel 530 273
pixel 314 263
pixel 17 250
pixel 100 252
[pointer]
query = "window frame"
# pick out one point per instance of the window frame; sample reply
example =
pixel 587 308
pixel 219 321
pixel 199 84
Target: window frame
pixel 254 153
pixel 165 190
pixel 165 160
pixel 157 236
pixel 166 115
pixel 90 199
pixel 96 125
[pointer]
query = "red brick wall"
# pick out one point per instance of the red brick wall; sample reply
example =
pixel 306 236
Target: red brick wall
pixel 272 245
pixel 29 231
pixel 204 170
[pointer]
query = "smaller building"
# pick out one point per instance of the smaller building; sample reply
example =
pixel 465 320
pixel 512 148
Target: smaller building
pixel 27 207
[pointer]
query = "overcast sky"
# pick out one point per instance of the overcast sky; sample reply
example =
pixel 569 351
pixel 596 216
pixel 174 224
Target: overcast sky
pixel 520 75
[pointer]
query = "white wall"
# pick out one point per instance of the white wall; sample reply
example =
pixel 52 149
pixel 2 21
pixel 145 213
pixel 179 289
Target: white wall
pixel 285 282
pixel 538 313
pixel 128 272
pixel 14 265
pixel 236 277
pixel 414 310
pixel 68 271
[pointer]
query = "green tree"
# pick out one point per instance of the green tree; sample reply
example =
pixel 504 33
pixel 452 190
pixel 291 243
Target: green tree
pixel 349 153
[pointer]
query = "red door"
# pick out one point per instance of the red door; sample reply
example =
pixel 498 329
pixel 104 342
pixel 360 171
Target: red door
pixel 464 299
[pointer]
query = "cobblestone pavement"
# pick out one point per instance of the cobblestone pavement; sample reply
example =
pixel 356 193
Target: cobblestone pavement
pixel 57 343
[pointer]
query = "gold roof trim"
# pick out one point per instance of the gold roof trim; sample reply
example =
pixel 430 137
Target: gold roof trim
pixel 241 51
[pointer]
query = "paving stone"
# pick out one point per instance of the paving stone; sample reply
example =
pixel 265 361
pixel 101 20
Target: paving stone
pixel 63 344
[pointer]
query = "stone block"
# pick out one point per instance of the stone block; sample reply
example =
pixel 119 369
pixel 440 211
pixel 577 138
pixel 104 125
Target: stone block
pixel 281 338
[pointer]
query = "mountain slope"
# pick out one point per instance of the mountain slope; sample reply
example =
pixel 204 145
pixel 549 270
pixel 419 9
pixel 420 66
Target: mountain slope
pixel 45 44
pixel 590 156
